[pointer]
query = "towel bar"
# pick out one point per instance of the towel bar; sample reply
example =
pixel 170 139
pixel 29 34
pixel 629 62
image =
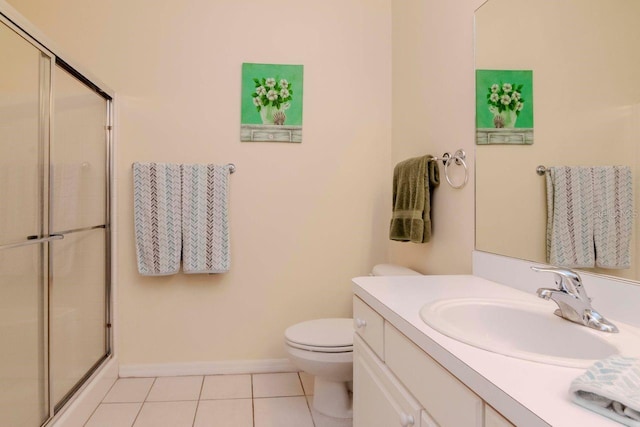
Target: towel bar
pixel 458 158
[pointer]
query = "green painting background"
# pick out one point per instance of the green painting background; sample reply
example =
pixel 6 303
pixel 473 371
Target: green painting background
pixel 293 73
pixel 484 80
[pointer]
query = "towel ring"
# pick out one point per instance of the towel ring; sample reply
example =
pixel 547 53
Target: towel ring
pixel 458 158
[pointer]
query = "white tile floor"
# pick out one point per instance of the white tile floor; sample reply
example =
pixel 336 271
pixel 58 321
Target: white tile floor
pixel 257 400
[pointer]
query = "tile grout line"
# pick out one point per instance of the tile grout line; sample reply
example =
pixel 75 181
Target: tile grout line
pixel 143 402
pixel 253 406
pixel 101 402
pixel 306 400
pixel 195 414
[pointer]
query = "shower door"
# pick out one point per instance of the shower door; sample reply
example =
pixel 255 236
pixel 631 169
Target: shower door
pixel 24 241
pixel 54 230
pixel 79 212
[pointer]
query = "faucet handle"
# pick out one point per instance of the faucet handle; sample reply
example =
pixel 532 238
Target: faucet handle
pixel 566 279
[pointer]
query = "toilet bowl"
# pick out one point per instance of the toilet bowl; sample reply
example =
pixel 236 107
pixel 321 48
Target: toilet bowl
pixel 324 349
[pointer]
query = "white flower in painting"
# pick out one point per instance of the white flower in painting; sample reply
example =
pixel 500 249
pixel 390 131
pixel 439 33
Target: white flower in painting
pixel 284 93
pixel 272 95
pixel 506 103
pixel 270 82
pixel 257 102
pixel 260 90
pixel 284 83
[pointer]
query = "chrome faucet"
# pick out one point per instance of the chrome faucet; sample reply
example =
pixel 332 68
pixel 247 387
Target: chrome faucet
pixel 573 302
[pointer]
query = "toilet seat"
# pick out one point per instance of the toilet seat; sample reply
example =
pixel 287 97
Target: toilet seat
pixel 322 335
pixel 345 349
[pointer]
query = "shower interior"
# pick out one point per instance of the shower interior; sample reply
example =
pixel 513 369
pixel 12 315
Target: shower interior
pixel 55 230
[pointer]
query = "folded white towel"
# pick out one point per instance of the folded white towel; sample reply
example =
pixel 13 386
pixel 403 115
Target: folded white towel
pixel 205 224
pixel 157 218
pixel 611 387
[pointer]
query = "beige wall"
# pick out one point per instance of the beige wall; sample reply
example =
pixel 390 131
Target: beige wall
pixel 433 113
pixel 305 218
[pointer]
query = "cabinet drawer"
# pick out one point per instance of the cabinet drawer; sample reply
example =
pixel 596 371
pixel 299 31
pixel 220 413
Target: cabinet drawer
pixel 379 398
pixel 369 325
pixel 449 402
pixel 493 419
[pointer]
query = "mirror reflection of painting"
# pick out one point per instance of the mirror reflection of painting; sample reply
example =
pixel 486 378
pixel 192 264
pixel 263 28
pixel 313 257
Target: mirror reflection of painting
pixel 271 103
pixel 504 107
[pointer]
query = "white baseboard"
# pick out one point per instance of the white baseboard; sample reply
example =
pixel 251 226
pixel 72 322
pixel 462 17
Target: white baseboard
pixel 207 368
pixel 77 411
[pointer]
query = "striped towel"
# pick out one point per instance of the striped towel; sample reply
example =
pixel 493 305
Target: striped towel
pixel 589 216
pixel 611 387
pixel 205 224
pixel 570 217
pixel 157 218
pixel 613 203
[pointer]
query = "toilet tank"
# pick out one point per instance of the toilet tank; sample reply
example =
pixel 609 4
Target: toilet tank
pixel 392 270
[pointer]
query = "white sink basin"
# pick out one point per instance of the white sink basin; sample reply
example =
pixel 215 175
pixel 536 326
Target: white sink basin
pixel 527 330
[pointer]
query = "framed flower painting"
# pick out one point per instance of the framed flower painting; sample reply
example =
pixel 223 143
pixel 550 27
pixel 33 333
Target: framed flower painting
pixel 504 107
pixel 271 103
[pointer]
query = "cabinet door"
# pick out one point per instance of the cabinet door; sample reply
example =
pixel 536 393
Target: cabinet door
pixel 493 419
pixel 448 401
pixel 378 398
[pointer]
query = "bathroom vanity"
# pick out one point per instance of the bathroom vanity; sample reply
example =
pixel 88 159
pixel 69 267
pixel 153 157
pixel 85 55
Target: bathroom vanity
pixel 408 374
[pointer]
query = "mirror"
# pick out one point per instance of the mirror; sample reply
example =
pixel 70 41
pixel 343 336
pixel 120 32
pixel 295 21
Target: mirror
pixel 586 96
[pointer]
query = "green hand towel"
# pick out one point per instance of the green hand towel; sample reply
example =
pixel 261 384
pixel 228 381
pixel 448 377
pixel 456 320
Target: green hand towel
pixel 413 184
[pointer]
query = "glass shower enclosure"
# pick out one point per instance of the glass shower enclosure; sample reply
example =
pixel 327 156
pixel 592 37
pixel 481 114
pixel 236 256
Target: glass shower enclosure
pixel 55 132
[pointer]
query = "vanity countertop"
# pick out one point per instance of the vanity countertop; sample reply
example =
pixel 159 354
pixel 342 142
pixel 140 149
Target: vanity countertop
pixel 527 393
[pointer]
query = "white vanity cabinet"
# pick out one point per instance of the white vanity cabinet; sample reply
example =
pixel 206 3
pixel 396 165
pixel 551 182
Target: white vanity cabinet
pixel 382 400
pixel 401 385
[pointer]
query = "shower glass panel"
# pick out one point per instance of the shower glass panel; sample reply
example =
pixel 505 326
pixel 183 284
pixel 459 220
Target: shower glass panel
pixel 23 399
pixel 78 155
pixel 24 91
pixel 78 207
pixel 77 309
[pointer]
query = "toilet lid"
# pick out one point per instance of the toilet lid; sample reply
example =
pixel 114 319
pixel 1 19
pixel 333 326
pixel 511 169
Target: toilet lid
pixel 322 333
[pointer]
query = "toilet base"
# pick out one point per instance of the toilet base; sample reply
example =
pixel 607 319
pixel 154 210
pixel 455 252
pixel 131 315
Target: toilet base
pixel 332 398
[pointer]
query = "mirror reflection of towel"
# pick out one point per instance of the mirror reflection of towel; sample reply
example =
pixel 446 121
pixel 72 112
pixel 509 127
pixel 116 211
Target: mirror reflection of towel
pixel 413 183
pixel 589 216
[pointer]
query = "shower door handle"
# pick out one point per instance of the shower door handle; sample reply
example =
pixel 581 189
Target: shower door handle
pixel 32 241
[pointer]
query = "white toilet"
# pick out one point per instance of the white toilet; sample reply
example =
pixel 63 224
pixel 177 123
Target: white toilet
pixel 324 349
